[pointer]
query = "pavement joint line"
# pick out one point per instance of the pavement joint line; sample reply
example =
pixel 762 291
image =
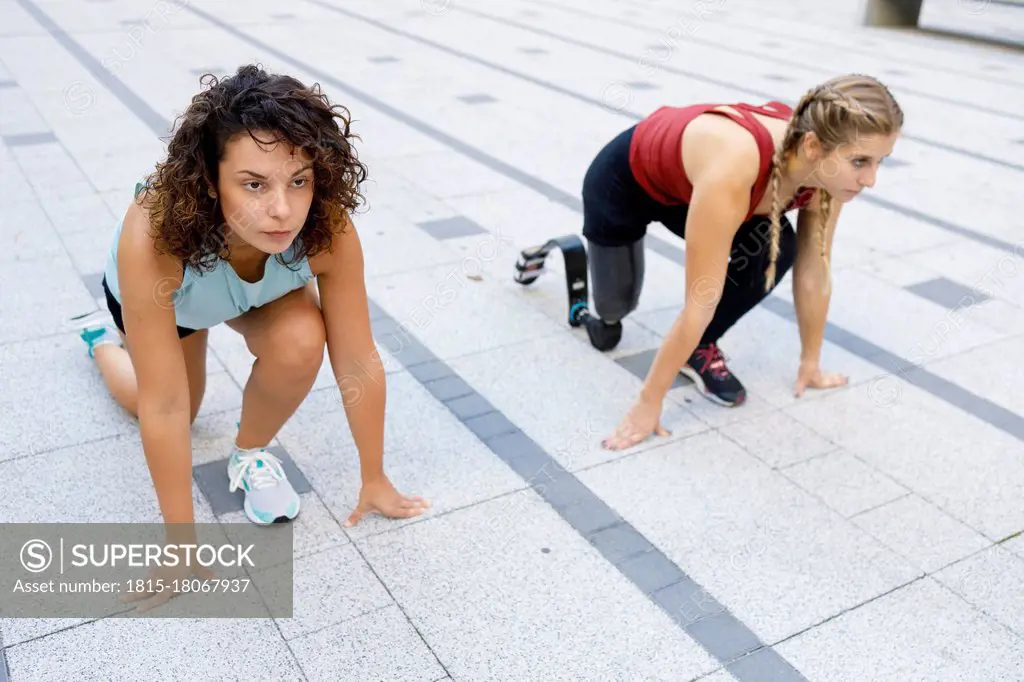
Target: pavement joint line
pixel 650 570
pixel 765 57
pixel 714 81
pixel 940 223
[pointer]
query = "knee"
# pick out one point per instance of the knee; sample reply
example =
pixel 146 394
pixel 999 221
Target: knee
pixel 617 275
pixel 197 402
pixel 297 344
pixel 613 309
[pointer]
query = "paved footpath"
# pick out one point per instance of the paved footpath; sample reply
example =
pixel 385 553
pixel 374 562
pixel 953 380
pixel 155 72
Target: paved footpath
pixel 867 534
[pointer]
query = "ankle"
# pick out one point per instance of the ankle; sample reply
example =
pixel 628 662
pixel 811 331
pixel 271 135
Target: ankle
pixel 100 350
pixel 249 445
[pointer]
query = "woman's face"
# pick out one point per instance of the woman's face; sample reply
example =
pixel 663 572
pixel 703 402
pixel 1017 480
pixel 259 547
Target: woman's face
pixel 853 166
pixel 265 191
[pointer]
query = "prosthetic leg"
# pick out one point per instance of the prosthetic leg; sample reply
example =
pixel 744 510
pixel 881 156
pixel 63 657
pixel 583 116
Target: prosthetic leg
pixel 530 266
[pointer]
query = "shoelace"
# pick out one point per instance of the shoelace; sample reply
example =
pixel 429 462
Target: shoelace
pixel 259 476
pixel 712 359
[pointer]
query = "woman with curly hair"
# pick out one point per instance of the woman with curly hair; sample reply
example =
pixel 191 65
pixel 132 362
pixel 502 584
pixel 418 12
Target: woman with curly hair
pixel 245 222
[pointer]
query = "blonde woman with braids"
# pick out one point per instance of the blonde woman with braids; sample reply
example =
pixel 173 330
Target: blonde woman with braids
pixel 723 176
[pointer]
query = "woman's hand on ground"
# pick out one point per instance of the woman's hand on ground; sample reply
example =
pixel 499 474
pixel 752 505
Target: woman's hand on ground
pixel 810 376
pixel 643 419
pixel 380 496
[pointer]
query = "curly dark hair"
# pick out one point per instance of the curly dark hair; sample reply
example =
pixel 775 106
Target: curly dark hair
pixel 188 222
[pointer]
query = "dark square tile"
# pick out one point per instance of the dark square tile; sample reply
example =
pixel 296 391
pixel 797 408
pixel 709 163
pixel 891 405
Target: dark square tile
pixel 687 602
pixel 490 425
pixel 212 479
pixel 94 283
pixel 764 664
pixel 28 139
pixel 477 99
pixel 640 363
pixel 651 571
pixel 430 371
pixel 522 455
pixel 451 228
pixel 620 542
pixel 405 349
pixel 642 85
pixel 947 293
pixel 590 516
pixel 466 406
pixel 448 387
pixel 723 636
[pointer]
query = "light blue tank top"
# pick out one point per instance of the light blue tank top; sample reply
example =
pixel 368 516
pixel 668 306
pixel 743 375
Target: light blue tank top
pixel 206 299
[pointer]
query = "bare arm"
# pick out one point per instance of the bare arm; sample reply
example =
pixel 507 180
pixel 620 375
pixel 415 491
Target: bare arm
pixel 147 281
pixel 812 285
pixel 354 358
pixel 721 198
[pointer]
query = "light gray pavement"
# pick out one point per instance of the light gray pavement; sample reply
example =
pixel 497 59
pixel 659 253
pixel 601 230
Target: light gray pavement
pixel 870 533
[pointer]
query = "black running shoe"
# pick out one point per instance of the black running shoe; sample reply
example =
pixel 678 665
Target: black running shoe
pixel 706 368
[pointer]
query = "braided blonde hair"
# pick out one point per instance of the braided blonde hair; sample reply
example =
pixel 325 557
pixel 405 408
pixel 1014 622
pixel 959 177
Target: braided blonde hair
pixel 837 112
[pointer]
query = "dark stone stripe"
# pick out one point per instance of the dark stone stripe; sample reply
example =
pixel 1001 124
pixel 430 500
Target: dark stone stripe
pixel 136 104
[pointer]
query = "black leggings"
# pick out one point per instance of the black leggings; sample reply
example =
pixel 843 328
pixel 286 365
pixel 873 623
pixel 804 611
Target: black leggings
pixel 115 312
pixel 616 213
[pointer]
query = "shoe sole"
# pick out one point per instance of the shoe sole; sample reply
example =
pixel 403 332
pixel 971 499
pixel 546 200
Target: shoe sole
pixel 93 318
pixel 280 519
pixel 692 375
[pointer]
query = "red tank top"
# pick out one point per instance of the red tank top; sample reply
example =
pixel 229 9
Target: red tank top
pixel 655 152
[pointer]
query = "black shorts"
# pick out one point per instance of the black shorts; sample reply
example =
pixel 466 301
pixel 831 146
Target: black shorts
pixel 115 311
pixel 616 209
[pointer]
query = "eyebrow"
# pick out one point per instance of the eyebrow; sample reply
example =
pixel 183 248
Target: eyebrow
pixel 264 177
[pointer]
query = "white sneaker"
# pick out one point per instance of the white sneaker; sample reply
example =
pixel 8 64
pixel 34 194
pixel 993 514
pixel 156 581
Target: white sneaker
pixel 269 495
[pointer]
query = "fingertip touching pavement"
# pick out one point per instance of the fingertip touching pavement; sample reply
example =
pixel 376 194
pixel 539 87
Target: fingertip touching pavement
pixel 874 532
